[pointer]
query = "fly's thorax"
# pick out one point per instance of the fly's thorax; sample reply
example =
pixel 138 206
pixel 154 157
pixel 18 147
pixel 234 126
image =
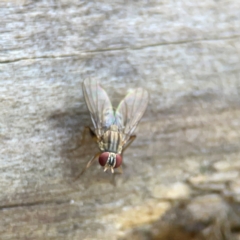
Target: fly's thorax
pixel 112 141
pixel 114 128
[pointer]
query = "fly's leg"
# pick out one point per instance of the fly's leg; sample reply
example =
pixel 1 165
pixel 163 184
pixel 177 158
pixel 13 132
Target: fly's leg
pixel 92 133
pixel 130 140
pixel 94 136
pixel 87 130
pixel 88 165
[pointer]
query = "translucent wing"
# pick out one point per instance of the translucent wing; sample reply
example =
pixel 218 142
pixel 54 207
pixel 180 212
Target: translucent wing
pixel 131 110
pixel 99 105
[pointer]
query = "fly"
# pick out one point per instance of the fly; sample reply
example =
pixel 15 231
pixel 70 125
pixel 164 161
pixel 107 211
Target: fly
pixel 113 129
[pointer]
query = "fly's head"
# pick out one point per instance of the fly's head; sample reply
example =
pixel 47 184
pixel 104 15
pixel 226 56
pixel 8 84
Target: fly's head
pixel 110 160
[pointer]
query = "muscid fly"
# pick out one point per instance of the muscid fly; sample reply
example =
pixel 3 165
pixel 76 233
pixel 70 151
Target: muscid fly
pixel 113 129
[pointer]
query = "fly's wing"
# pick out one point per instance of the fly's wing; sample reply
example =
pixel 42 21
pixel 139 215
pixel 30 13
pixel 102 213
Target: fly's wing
pixel 130 111
pixel 99 105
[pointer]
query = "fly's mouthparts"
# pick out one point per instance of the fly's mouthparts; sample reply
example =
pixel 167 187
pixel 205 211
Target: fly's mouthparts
pixel 107 167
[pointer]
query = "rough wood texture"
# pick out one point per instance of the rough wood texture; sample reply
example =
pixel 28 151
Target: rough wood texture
pixel 185 53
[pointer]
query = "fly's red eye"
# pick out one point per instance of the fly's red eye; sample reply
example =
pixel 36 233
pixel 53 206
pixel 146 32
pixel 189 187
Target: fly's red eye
pixel 118 160
pixel 103 158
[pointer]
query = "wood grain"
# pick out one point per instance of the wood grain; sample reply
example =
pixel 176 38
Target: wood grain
pixel 185 53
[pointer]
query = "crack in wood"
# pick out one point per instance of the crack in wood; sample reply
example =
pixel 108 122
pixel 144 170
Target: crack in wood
pixel 117 49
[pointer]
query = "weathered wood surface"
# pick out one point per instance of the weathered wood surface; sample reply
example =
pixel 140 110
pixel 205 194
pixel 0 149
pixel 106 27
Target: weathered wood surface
pixel 185 53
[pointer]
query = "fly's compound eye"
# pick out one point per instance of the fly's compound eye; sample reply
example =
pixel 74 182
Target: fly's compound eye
pixel 118 160
pixel 104 159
